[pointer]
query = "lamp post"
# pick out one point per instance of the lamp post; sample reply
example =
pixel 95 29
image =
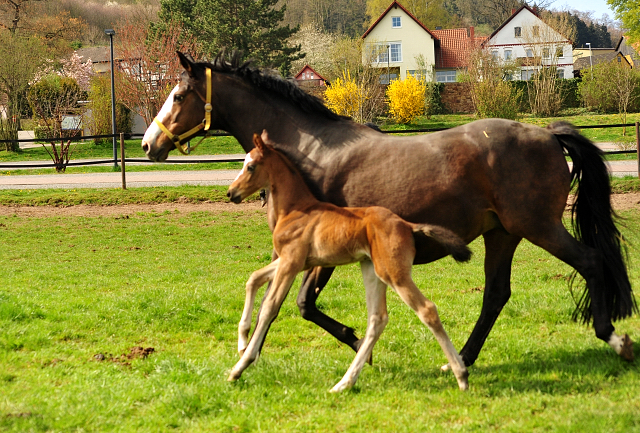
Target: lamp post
pixel 112 32
pixel 590 55
pixel 388 68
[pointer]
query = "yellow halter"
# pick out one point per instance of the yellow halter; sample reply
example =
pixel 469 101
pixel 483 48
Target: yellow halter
pixel 178 140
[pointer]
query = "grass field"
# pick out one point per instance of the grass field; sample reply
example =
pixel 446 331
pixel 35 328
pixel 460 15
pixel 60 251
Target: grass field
pixel 78 293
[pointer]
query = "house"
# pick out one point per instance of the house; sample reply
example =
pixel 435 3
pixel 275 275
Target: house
pixel 399 45
pixel 100 57
pixel 530 44
pixel 308 77
pixel 623 53
pixel 452 56
pixel 583 63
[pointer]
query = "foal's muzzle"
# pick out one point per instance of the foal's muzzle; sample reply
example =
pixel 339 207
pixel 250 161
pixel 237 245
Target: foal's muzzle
pixel 234 196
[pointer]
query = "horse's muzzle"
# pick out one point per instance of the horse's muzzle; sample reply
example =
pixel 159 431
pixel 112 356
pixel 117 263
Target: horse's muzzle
pixel 236 198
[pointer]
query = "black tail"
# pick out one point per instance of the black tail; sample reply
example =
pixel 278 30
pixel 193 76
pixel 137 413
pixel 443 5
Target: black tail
pixel 593 222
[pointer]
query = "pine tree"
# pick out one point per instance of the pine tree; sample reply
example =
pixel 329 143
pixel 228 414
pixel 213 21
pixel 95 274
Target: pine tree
pixel 251 26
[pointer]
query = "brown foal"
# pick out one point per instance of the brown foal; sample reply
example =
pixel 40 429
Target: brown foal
pixel 311 233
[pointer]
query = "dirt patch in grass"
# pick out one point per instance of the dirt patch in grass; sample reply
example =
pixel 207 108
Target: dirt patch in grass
pixel 621 202
pixel 128 209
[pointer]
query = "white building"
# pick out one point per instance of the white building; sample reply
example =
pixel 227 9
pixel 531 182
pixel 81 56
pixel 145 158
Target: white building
pixel 526 40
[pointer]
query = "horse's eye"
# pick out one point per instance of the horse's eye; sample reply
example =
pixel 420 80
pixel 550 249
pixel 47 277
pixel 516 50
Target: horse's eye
pixel 251 168
pixel 178 98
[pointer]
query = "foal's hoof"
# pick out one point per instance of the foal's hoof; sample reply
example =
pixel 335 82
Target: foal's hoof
pixel 445 368
pixel 627 348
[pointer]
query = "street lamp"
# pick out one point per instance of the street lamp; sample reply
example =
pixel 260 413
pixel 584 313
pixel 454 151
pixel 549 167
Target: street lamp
pixel 112 32
pixel 388 60
pixel 590 55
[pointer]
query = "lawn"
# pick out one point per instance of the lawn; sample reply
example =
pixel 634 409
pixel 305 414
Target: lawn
pixel 78 293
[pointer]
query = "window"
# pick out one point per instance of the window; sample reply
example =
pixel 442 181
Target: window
pixel 419 74
pixel 446 76
pixel 380 52
pixel 507 54
pixel 535 30
pixel 494 56
pixel 619 59
pixel 396 22
pixel 526 74
pixel 560 73
pixel 529 52
pixel 396 52
pixel 545 53
pixel 386 79
pixel 559 52
pixel 517 31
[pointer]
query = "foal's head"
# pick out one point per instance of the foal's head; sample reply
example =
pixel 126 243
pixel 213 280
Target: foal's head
pixel 254 175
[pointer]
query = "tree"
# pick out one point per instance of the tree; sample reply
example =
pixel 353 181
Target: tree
pixel 318 46
pixel 53 100
pixel 250 26
pixel 149 68
pixel 431 13
pixel 22 58
pixel 628 12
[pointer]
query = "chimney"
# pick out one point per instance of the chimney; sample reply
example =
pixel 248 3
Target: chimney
pixel 471 33
pixel 513 11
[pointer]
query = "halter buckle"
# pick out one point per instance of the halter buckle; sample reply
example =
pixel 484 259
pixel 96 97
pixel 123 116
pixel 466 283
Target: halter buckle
pixel 208 107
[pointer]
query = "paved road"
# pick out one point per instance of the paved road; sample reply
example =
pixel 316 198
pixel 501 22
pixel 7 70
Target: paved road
pixel 178 178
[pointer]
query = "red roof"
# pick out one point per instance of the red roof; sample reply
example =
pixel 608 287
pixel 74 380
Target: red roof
pixel 310 69
pixel 396 4
pixel 455 46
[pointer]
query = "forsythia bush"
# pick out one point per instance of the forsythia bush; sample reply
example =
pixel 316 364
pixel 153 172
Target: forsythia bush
pixel 345 97
pixel 406 99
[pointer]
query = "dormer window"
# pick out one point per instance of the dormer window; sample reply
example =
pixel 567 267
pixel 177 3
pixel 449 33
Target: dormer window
pixel 396 22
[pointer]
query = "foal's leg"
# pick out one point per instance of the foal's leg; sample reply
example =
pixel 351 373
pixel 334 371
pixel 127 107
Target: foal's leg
pixel 313 281
pixel 428 314
pixel 376 322
pixel 500 247
pixel 256 280
pixel 284 276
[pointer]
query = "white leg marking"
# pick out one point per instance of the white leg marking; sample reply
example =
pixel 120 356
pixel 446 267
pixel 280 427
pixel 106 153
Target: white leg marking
pixel 377 311
pixel 616 342
pixel 256 280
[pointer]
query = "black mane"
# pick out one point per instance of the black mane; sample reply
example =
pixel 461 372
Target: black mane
pixel 270 82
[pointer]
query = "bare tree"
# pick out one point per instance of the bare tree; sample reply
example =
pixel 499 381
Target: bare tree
pixel 148 66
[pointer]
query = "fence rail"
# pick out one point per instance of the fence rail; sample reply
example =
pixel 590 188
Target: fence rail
pixel 129 136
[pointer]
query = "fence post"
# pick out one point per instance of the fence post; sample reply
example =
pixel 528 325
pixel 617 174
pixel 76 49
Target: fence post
pixel 638 146
pixel 124 181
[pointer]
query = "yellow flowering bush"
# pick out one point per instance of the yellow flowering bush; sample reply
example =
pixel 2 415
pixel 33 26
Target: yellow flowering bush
pixel 406 99
pixel 345 97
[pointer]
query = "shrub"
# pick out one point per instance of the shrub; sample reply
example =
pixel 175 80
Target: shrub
pixel 99 122
pixel 345 97
pixel 406 99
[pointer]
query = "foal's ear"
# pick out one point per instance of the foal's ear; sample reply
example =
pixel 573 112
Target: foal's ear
pixel 258 143
pixel 186 62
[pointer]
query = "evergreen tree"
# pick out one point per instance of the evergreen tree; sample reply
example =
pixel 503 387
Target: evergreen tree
pixel 251 26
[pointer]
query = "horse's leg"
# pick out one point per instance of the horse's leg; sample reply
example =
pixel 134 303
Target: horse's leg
pixel 590 264
pixel 376 322
pixel 314 280
pixel 256 280
pixel 500 247
pixel 428 314
pixel 284 276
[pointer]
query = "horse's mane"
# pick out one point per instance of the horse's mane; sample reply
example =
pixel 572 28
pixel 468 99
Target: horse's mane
pixel 271 82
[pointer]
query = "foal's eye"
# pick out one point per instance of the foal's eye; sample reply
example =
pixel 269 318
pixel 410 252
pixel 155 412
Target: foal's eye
pixel 178 98
pixel 251 168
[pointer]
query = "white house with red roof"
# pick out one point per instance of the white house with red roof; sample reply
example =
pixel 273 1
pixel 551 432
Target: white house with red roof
pixel 532 44
pixel 399 43
pixel 308 76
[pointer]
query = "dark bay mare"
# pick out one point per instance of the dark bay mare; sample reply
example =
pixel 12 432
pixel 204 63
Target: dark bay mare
pixel 310 233
pixel 494 178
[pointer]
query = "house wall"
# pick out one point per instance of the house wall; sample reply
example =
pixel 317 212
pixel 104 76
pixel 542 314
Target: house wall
pixel 414 39
pixel 505 39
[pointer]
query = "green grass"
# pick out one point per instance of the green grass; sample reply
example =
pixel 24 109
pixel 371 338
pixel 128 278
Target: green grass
pixel 79 292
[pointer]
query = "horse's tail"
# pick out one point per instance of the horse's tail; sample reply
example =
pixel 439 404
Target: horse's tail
pixel 449 240
pixel 593 221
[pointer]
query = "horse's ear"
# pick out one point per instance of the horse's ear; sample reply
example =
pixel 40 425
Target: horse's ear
pixel 266 140
pixel 186 62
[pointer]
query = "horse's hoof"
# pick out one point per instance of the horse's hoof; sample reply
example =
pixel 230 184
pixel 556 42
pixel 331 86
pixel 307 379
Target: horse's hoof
pixel 463 385
pixel 627 348
pixel 339 388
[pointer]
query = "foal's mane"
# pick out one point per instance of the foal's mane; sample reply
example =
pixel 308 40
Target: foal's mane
pixel 268 81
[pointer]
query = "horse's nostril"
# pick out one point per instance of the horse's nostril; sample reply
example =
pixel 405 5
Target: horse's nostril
pixel 145 147
pixel 229 194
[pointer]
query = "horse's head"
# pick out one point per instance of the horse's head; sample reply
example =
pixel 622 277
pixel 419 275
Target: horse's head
pixel 254 175
pixel 185 113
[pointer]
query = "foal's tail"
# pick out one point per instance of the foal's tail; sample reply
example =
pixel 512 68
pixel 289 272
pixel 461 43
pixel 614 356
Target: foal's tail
pixel 593 222
pixel 449 240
